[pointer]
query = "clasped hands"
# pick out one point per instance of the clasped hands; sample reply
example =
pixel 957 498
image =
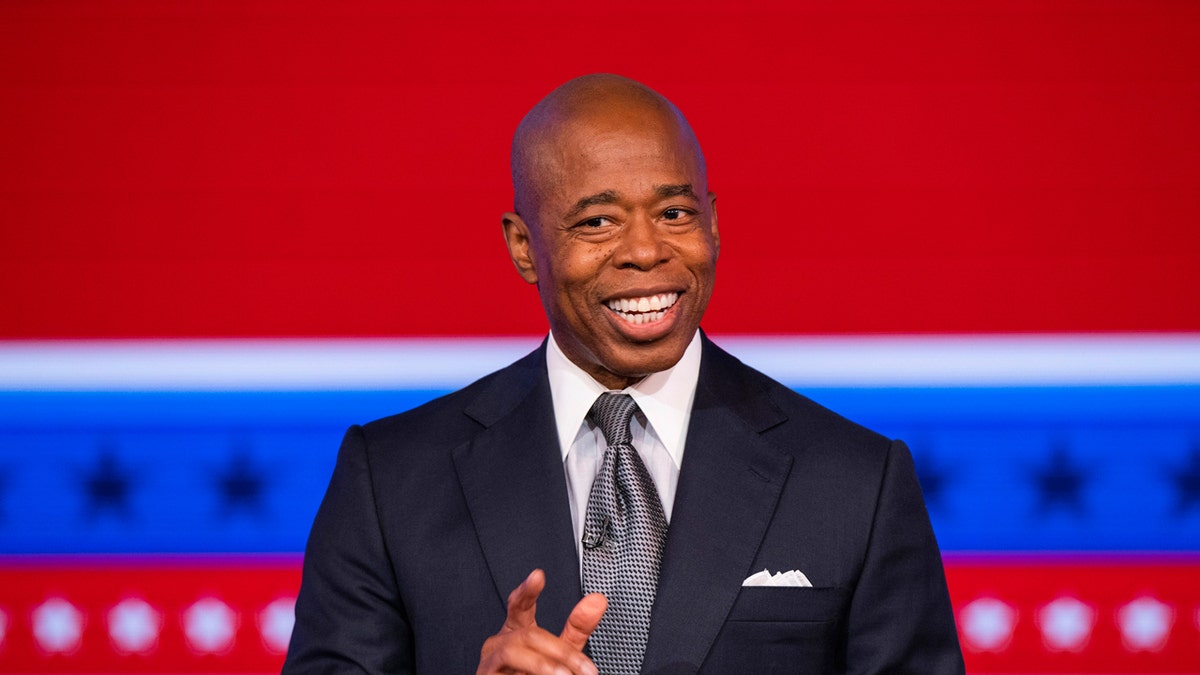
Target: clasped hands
pixel 521 646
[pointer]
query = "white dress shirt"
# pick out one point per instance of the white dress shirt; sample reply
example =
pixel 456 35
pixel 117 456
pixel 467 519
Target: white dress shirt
pixel 659 428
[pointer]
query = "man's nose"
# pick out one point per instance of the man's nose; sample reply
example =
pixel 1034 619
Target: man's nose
pixel 643 244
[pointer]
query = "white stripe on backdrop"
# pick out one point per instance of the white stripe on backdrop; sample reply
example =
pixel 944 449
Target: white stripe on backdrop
pixel 445 363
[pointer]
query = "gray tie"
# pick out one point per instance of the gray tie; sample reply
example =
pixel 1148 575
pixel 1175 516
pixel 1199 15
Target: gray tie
pixel 623 535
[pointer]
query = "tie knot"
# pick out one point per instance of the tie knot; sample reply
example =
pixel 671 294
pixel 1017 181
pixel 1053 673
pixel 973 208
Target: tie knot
pixel 612 413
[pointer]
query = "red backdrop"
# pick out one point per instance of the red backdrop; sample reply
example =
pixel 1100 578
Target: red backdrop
pixel 290 168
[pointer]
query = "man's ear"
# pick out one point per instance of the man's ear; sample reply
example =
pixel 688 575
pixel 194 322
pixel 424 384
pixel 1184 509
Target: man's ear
pixel 520 248
pixel 716 234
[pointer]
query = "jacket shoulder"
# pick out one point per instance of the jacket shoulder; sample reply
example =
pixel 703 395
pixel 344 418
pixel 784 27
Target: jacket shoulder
pixel 772 406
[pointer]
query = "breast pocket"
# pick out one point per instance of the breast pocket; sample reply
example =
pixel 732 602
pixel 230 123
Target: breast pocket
pixel 780 630
pixel 788 603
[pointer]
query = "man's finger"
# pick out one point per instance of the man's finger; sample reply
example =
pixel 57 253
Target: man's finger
pixel 583 619
pixel 522 602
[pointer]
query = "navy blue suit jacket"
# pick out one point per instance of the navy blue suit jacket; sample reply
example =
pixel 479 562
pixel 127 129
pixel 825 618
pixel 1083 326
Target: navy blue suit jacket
pixel 433 516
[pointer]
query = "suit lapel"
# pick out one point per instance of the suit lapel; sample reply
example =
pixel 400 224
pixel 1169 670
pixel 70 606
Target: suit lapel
pixel 512 478
pixel 729 484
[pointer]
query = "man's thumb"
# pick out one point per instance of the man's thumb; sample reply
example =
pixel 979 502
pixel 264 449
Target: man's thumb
pixel 584 619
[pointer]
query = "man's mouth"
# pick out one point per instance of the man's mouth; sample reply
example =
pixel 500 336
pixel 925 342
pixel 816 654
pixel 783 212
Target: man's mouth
pixel 646 309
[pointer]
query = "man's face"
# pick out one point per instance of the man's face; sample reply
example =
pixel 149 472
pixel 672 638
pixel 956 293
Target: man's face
pixel 623 245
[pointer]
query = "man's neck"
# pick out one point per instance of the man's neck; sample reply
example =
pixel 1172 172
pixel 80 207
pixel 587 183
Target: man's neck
pixel 665 397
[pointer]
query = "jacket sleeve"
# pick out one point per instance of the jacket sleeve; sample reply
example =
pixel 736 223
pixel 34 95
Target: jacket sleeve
pixel 900 618
pixel 349 615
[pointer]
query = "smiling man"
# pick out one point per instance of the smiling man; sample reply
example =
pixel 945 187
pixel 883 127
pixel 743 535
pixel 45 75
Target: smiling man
pixel 615 225
pixel 610 502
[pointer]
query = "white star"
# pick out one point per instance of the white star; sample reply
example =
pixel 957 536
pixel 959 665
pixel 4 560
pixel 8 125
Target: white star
pixel 1145 624
pixel 1066 624
pixel 210 626
pixel 276 622
pixel 133 626
pixel 58 626
pixel 988 624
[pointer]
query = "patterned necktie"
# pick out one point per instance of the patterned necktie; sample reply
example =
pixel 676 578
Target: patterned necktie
pixel 623 535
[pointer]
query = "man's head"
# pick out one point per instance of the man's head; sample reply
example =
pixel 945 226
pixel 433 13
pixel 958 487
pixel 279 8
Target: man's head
pixel 615 224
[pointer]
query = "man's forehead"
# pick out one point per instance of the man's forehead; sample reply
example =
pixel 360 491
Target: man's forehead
pixel 652 151
pixel 635 129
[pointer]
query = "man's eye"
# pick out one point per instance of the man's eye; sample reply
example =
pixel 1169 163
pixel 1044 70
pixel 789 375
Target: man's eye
pixel 675 214
pixel 598 221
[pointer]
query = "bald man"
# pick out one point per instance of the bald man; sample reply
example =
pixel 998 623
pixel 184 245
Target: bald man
pixel 455 537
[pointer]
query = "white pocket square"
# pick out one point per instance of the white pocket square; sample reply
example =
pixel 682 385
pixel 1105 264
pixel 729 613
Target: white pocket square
pixel 794 578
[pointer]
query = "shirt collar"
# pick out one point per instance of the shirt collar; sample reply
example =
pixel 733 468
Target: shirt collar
pixel 665 397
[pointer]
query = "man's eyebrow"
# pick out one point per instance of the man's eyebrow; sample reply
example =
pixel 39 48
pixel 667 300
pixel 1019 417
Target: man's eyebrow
pixel 606 197
pixel 680 190
pixel 611 197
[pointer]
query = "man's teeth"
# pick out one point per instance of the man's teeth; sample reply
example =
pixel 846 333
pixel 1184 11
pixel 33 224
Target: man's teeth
pixel 644 310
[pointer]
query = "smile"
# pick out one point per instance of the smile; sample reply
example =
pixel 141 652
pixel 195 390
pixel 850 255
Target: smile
pixel 643 310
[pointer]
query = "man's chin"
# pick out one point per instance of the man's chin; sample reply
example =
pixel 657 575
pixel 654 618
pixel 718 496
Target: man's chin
pixel 635 361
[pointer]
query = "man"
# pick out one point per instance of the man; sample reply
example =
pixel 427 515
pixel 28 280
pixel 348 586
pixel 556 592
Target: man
pixel 461 535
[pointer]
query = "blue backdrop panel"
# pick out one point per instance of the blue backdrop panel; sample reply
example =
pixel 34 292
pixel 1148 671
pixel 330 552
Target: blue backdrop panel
pixel 1004 469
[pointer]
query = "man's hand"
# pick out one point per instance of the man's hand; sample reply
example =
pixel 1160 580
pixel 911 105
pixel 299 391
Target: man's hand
pixel 522 647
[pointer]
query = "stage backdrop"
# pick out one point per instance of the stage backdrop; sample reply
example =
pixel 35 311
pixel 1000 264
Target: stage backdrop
pixel 228 230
